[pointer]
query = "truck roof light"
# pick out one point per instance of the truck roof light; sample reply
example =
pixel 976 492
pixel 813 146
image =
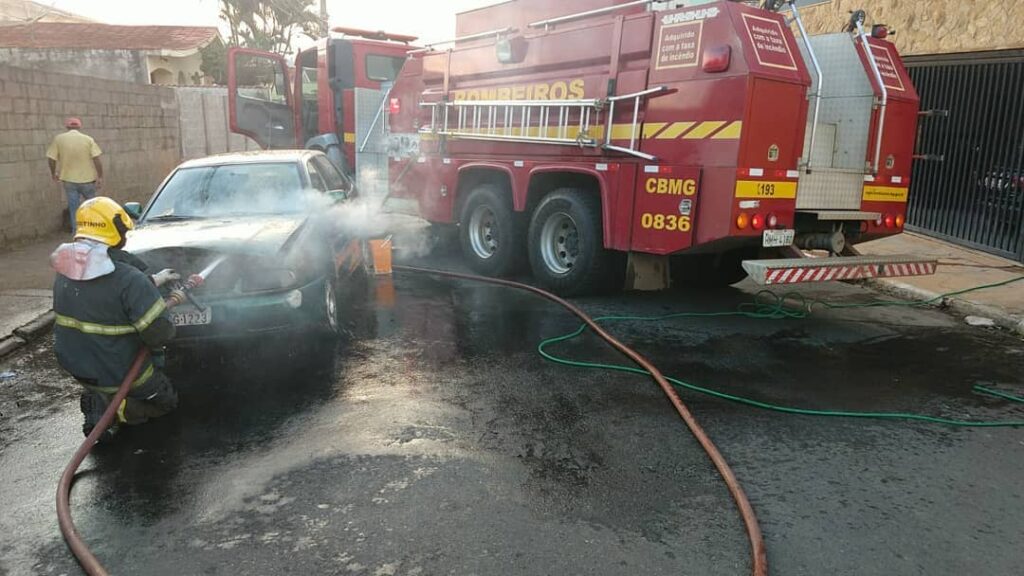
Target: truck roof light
pixel 374 34
pixel 879 31
pixel 716 58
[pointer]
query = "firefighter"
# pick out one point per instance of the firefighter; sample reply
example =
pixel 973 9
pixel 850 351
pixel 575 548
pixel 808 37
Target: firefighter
pixel 107 310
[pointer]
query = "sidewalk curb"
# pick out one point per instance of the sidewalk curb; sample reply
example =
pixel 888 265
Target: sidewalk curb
pixel 35 329
pixel 1002 318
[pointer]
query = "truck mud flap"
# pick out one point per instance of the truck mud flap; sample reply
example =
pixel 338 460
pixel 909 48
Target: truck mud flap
pixel 800 270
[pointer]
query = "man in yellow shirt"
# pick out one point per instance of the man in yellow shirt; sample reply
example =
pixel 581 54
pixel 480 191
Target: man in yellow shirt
pixel 75 161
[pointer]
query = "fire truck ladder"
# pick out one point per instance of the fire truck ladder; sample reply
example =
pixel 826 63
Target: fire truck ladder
pixel 563 122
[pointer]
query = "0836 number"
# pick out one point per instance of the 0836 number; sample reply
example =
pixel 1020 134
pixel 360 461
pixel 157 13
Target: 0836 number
pixel 669 222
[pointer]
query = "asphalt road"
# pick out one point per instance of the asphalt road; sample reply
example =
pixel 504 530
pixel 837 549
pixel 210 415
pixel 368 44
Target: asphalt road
pixel 434 440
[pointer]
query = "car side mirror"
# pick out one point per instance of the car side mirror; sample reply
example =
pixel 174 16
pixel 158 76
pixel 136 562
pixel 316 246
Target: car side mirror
pixel 134 209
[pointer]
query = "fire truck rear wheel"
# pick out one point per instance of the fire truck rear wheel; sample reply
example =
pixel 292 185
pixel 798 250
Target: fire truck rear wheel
pixel 566 245
pixel 490 232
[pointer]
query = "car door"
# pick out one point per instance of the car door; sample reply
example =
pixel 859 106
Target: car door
pixel 260 103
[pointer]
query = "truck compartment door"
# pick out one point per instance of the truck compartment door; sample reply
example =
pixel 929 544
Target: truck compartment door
pixel 665 208
pixel 259 100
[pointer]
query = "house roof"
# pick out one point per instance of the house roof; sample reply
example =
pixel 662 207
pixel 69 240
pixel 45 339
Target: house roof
pixel 28 11
pixel 106 36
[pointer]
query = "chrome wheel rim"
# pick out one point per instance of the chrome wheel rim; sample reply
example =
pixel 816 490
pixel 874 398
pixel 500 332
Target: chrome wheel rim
pixel 483 232
pixel 560 243
pixel 331 305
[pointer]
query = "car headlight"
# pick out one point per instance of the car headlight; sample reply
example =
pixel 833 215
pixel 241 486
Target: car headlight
pixel 268 279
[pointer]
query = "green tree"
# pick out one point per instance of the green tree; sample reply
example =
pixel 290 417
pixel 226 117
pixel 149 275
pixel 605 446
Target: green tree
pixel 269 24
pixel 214 62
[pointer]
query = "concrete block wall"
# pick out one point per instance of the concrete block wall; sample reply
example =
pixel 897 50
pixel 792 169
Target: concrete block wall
pixel 931 26
pixel 136 125
pixel 204 123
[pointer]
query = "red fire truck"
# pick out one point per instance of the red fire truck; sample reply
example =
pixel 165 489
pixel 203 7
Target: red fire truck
pixel 596 139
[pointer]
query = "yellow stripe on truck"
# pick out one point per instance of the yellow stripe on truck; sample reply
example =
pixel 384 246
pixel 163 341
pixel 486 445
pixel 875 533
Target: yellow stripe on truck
pixel 885 194
pixel 730 132
pixel 767 190
pixel 703 130
pixel 675 130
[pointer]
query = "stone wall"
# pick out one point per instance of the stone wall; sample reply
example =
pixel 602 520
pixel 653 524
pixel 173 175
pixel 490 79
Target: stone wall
pixel 931 26
pixel 121 65
pixel 136 125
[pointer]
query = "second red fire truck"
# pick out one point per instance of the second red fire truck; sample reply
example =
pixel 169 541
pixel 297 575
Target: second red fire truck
pixel 609 141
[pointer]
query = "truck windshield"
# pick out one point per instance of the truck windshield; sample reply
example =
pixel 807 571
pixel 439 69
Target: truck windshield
pixel 383 68
pixel 232 190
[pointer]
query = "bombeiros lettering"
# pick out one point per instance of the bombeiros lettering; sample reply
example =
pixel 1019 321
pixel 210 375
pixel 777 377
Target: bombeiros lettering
pixel 557 90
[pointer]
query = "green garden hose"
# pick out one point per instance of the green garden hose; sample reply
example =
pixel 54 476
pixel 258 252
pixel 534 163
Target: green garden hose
pixel 768 305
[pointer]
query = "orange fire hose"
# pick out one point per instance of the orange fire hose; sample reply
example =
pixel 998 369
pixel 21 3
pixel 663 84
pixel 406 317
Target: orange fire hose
pixel 757 549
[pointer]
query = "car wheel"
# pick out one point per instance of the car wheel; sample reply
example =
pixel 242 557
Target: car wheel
pixel 566 244
pixel 331 322
pixel 490 232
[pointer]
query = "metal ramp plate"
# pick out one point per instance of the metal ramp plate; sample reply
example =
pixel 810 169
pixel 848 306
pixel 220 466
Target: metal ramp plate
pixel 831 215
pixel 798 270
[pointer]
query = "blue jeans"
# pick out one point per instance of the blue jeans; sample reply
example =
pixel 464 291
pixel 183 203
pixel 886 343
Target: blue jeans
pixel 78 193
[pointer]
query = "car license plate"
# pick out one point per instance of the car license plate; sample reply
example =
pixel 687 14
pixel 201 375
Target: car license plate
pixel 776 238
pixel 192 317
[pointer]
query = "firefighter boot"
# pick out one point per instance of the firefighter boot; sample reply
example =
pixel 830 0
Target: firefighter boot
pixel 93 405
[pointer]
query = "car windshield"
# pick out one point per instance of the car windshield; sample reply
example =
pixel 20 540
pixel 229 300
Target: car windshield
pixel 232 190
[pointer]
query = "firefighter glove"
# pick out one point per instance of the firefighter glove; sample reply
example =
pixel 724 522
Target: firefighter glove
pixel 164 276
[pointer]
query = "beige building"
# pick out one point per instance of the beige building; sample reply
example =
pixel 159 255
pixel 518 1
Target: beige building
pixel 931 26
pixel 165 55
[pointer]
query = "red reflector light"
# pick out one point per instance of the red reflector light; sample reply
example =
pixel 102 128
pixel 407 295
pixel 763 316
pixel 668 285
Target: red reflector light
pixel 890 221
pixel 395 106
pixel 716 58
pixel 879 31
pixel 900 220
pixel 742 221
pixel 773 220
pixel 757 222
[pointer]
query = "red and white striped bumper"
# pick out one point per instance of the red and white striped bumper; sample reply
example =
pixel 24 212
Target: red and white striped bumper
pixel 799 270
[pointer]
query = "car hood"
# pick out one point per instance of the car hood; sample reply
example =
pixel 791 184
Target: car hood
pixel 248 235
pixel 249 250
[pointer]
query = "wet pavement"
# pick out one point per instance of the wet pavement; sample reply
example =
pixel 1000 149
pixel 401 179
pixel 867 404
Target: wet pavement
pixel 434 440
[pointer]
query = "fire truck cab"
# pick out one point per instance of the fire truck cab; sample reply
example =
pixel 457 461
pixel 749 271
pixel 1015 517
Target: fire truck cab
pixel 311 105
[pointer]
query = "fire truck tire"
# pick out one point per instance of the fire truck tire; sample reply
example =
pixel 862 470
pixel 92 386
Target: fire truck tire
pixel 566 245
pixel 490 232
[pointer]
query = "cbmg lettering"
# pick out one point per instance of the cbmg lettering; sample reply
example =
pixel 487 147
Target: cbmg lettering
pixel 671 186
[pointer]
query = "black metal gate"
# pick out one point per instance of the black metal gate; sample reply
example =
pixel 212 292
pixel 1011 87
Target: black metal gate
pixel 975 194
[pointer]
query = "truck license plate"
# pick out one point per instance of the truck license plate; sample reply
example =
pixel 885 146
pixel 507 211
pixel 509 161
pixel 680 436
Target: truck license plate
pixel 777 238
pixel 192 317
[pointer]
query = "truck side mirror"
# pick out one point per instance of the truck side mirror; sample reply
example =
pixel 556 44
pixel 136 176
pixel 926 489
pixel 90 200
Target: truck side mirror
pixel 134 209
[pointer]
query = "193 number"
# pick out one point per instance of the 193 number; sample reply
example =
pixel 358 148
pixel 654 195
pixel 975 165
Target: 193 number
pixel 766 189
pixel 669 222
